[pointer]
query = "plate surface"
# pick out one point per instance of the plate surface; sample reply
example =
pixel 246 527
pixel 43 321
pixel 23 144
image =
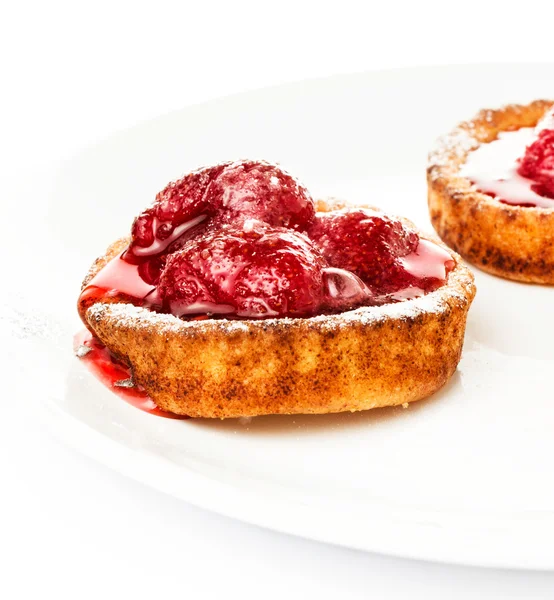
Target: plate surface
pixel 463 477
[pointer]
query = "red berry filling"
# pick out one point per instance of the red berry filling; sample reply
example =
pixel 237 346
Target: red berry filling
pixel 538 162
pixel 228 241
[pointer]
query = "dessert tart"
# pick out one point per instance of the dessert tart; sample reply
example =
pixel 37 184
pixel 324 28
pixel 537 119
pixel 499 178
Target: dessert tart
pixel 238 295
pixel 491 191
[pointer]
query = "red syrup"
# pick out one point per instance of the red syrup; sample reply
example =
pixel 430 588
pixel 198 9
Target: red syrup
pixel 121 277
pixel 515 169
pixel 115 375
pixel 118 281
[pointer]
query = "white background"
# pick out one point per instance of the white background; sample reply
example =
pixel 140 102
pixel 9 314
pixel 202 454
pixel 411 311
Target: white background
pixel 74 72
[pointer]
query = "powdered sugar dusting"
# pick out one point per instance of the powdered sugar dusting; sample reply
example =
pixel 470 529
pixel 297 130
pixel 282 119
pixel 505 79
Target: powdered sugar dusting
pixel 451 150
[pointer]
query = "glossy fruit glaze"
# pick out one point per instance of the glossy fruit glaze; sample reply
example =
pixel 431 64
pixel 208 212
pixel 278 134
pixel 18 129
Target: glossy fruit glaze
pixel 242 240
pixel 115 375
pixel 518 167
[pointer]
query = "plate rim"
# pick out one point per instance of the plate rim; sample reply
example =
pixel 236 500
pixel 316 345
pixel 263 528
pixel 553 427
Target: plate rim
pixel 204 492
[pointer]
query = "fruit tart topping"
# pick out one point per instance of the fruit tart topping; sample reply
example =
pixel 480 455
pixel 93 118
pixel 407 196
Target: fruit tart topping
pixel 242 240
pixel 538 161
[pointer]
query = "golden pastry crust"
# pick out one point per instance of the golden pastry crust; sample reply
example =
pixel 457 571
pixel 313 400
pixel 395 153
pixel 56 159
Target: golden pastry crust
pixel 510 241
pixel 360 359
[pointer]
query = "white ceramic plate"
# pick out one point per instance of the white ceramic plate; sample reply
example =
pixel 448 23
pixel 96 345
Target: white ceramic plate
pixel 463 477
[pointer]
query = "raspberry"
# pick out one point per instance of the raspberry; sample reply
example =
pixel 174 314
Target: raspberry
pixel 370 245
pixel 262 191
pixel 178 204
pixel 251 271
pixel 538 162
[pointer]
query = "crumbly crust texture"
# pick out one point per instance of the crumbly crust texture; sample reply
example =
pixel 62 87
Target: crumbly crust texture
pixel 219 368
pixel 509 241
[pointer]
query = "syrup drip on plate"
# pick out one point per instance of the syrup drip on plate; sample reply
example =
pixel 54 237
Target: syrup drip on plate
pixel 115 375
